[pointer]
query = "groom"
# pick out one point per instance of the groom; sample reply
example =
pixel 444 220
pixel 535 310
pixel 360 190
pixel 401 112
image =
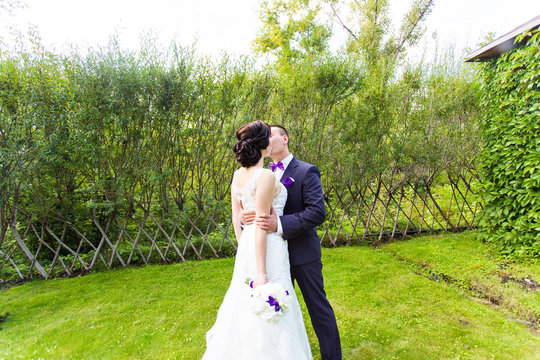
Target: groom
pixel 304 210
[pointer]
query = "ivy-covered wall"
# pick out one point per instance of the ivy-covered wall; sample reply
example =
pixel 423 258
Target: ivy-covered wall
pixel 511 150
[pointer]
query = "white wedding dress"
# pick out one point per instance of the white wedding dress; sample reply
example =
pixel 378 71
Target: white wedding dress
pixel 239 334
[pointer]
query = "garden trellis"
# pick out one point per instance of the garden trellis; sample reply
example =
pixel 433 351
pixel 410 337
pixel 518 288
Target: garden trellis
pixel 377 210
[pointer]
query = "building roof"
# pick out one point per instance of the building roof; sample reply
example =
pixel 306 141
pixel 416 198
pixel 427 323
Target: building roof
pixel 503 43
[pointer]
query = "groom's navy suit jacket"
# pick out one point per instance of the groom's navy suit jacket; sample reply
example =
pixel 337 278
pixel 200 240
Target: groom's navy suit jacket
pixel 303 211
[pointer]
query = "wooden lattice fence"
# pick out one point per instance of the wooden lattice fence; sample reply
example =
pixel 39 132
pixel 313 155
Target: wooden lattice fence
pixel 389 206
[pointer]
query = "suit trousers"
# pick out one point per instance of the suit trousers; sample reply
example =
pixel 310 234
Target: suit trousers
pixel 310 281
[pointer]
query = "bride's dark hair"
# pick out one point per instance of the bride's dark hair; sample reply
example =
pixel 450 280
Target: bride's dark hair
pixel 252 138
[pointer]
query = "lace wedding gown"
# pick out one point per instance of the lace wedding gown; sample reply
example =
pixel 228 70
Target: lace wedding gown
pixel 238 333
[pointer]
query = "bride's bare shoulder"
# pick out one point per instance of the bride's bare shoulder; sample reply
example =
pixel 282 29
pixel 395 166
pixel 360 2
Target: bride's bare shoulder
pixel 238 171
pixel 236 175
pixel 266 179
pixel 267 175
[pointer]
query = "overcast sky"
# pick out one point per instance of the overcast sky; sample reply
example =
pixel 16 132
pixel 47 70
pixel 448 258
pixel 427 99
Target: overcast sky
pixel 231 25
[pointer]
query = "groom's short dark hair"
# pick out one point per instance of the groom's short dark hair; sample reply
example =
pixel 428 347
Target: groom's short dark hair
pixel 282 130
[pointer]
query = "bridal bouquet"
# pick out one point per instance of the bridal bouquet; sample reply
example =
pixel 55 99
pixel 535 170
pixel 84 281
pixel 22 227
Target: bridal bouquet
pixel 269 301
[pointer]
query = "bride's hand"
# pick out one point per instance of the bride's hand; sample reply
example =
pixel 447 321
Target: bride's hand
pixel 261 279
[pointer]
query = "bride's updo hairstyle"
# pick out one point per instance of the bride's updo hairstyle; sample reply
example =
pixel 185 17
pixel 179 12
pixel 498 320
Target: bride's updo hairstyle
pixel 252 138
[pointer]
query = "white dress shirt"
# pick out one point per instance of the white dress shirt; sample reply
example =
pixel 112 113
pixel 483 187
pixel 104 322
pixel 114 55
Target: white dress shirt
pixel 279 174
pixel 285 162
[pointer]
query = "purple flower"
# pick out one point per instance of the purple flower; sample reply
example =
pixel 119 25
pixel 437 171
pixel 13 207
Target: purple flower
pixel 251 284
pixel 287 292
pixel 288 181
pixel 272 302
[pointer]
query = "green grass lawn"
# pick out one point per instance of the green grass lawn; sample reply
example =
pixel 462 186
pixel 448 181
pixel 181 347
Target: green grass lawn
pixel 432 297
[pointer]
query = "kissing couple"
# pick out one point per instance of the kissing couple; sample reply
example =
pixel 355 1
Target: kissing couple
pixel 275 213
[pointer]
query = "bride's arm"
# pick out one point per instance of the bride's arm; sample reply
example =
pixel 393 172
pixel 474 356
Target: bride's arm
pixel 235 216
pixel 263 204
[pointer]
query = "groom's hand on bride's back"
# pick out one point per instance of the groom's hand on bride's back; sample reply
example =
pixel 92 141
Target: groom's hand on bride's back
pixel 247 217
pixel 267 222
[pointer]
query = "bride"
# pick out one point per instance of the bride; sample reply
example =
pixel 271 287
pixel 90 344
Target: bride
pixel 262 258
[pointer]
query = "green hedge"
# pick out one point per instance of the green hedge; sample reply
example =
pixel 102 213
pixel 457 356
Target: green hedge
pixel 511 153
pixel 113 135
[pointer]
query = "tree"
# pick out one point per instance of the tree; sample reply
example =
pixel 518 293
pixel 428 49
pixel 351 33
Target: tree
pixel 291 29
pixel 7 9
pixel 368 26
pixel 10 5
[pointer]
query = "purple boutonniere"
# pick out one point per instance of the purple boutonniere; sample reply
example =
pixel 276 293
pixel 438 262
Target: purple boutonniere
pixel 288 181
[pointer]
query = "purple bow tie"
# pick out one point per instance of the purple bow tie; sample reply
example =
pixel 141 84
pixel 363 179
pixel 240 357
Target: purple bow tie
pixel 275 166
